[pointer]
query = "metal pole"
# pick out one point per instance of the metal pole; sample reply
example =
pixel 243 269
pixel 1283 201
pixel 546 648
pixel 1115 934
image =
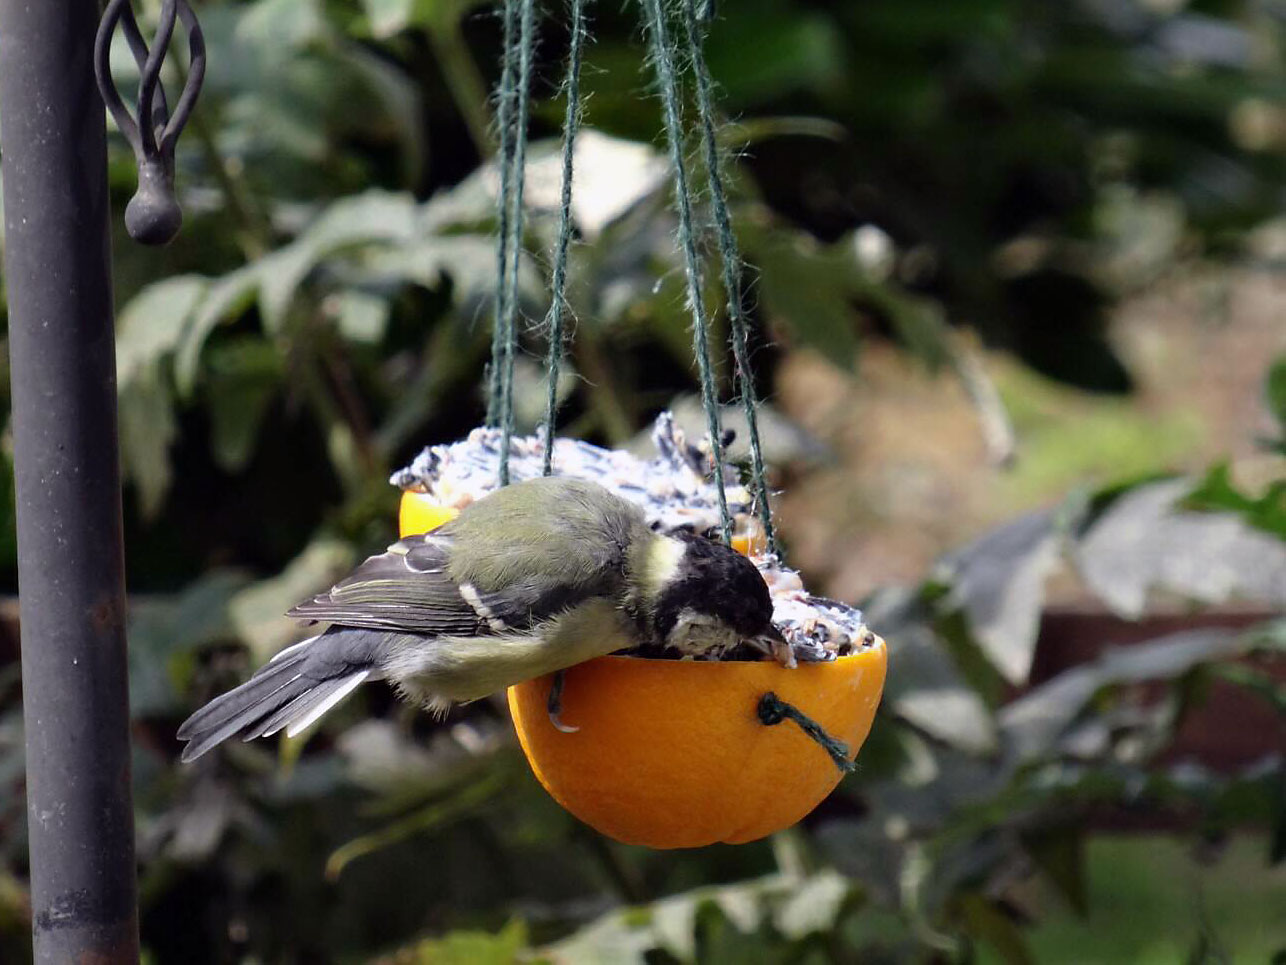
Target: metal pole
pixel 70 560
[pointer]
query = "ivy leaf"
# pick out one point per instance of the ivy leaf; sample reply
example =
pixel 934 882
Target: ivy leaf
pixel 924 686
pixel 1217 493
pixel 375 216
pixel 1034 723
pixel 999 582
pixel 150 328
pixel 359 316
pixel 1275 393
pixel 147 430
pixel 989 924
pixel 472 947
pixel 224 301
pixel 809 288
pixel 161 630
pixel 1275 390
pixel 388 17
pixel 1145 540
pixel 152 324
pixel 1060 854
pixel 258 611
pixel 244 375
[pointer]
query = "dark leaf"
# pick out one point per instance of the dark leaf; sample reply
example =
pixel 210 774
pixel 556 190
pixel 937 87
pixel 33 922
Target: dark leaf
pixel 1033 724
pixel 1275 391
pixel 244 376
pixel 1060 854
pixel 989 924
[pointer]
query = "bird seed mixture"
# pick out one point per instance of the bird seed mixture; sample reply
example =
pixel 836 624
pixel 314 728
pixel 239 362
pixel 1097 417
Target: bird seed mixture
pixel 675 490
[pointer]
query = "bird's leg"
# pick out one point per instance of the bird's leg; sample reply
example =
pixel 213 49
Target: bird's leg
pixel 555 703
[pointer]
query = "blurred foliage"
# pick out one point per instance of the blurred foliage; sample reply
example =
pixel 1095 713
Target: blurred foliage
pixel 906 168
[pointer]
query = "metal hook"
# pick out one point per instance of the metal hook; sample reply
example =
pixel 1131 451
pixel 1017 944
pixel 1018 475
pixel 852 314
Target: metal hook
pixel 152 216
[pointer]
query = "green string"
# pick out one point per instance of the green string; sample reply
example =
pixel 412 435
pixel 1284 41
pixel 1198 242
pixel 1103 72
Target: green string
pixel 558 292
pixel 526 46
pixel 731 259
pixel 662 58
pixel 773 710
pixel 504 163
pixel 515 93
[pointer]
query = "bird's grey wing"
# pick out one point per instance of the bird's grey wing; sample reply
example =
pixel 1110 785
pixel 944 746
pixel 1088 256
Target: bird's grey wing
pixel 410 589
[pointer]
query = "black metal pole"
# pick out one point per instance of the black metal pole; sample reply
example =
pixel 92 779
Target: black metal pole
pixel 70 560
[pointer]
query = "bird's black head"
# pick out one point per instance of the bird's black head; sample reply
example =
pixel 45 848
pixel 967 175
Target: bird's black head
pixel 714 599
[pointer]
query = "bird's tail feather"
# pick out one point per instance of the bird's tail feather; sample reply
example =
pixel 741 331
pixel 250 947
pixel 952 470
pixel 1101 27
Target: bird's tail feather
pixel 303 711
pixel 283 693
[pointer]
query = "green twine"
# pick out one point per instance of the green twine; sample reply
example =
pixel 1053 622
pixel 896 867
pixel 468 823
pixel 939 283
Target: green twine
pixel 773 710
pixel 730 257
pixel 504 162
pixel 663 60
pixel 515 92
pixel 558 287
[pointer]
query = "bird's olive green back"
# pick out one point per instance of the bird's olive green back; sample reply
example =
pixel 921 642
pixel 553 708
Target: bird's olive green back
pixel 556 531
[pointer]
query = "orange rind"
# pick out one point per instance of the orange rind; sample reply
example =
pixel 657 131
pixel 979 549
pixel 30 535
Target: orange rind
pixel 671 753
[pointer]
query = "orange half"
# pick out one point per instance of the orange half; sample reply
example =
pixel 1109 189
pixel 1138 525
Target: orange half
pixel 671 754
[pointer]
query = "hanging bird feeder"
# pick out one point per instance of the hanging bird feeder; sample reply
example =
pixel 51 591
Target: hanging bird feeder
pixel 678 753
pixel 660 752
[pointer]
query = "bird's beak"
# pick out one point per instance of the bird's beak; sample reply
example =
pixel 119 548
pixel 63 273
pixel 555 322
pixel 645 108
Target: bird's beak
pixel 774 644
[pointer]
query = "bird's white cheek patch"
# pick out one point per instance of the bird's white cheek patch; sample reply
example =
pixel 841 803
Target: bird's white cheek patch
pixel 664 556
pixel 471 597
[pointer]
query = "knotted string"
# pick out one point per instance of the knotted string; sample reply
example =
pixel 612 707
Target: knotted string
pixel 512 111
pixel 773 710
pixel 662 57
pixel 730 257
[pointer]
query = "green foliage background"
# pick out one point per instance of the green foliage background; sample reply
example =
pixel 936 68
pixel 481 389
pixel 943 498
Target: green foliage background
pixel 324 315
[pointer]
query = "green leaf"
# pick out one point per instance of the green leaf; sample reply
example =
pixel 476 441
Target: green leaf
pixel 243 378
pixel 360 317
pixel 989 924
pixel 471 948
pixel 1060 854
pixel 388 17
pixel 1217 493
pixel 147 429
pixel 152 324
pixel 349 223
pixel 925 687
pixel 999 582
pixel 400 99
pixel 150 328
pixel 280 23
pixel 258 611
pixel 811 290
pixel 1275 391
pixel 164 629
pixel 224 301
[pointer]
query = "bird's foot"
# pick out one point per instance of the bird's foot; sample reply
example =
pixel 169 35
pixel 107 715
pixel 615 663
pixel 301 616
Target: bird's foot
pixel 554 706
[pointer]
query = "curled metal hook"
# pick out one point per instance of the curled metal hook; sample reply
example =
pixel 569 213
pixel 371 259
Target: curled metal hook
pixel 152 215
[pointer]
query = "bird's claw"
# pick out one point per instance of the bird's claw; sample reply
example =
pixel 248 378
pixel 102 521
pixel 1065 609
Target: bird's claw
pixel 554 705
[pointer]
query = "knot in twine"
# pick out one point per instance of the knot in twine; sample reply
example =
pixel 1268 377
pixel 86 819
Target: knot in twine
pixel 773 710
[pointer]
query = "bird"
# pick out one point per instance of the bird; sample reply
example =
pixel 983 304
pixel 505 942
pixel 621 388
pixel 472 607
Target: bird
pixel 528 580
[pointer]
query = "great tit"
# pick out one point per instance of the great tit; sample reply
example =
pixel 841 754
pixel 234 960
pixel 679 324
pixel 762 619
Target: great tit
pixel 529 580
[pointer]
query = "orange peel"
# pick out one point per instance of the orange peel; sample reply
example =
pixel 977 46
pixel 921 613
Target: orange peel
pixel 672 754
